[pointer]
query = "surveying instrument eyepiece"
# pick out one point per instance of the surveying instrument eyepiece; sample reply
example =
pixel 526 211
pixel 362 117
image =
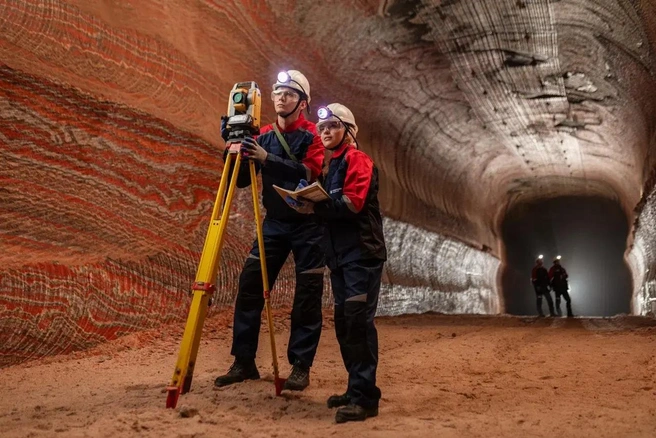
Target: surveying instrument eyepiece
pixel 242 120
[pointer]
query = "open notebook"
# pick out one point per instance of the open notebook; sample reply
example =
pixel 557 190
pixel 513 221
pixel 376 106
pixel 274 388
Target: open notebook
pixel 314 192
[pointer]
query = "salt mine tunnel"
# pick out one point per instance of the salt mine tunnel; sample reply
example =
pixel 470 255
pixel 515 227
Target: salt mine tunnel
pixel 501 129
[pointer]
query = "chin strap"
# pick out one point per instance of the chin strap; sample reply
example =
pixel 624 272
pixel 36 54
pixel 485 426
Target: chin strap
pixel 284 116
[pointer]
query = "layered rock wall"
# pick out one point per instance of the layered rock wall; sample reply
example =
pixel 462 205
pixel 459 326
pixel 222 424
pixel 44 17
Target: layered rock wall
pixel 109 114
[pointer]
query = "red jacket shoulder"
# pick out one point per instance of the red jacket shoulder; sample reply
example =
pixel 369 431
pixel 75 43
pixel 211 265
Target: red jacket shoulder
pixel 266 129
pixel 357 156
pixel 309 126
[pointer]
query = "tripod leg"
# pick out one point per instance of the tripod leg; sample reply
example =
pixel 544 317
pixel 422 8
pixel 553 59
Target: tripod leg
pixel 203 288
pixel 278 382
pixel 214 240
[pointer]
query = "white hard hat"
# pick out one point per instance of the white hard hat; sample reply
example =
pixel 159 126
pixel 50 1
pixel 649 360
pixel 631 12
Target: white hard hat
pixel 294 79
pixel 341 113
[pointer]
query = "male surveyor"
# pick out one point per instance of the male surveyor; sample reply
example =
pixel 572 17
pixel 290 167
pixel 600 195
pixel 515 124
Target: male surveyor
pixel 285 152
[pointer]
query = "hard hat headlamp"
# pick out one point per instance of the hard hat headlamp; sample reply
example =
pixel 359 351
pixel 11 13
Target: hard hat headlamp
pixel 283 77
pixel 324 112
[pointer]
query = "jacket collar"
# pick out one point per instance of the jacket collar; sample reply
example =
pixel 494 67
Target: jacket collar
pixel 294 126
pixel 342 150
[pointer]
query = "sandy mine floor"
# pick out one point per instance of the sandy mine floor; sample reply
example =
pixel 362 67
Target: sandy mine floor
pixel 446 376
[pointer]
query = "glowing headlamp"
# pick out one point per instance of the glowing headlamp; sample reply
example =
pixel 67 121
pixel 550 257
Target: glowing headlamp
pixel 286 79
pixel 557 257
pixel 324 112
pixel 283 77
pixel 540 256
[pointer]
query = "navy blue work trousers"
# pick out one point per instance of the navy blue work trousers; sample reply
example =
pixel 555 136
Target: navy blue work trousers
pixel 304 240
pixel 356 286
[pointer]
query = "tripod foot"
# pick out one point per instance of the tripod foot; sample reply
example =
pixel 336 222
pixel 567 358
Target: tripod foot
pixel 279 383
pixel 172 395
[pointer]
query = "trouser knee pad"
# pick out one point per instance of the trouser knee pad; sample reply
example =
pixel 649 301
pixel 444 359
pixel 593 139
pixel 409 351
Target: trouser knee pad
pixel 307 299
pixel 355 313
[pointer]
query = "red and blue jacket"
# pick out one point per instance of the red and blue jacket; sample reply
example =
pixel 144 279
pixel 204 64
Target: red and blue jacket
pixel 280 169
pixel 558 277
pixel 540 276
pixel 353 224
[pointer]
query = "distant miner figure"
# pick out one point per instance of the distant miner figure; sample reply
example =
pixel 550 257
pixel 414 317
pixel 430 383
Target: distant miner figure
pixel 558 280
pixel 540 280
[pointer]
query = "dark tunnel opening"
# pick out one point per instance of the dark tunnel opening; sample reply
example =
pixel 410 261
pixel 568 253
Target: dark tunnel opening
pixel 589 234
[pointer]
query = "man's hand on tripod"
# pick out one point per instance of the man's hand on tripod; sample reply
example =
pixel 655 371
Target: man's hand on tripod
pixel 251 149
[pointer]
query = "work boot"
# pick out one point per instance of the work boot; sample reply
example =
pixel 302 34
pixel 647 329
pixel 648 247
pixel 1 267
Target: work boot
pixel 335 401
pixel 299 379
pixel 240 370
pixel 551 311
pixel 353 412
pixel 569 311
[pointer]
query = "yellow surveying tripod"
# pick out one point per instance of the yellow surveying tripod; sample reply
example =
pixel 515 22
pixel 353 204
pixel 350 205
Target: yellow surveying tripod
pixel 243 119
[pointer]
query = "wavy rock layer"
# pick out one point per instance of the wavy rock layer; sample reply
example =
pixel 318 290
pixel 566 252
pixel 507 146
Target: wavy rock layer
pixel 109 116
